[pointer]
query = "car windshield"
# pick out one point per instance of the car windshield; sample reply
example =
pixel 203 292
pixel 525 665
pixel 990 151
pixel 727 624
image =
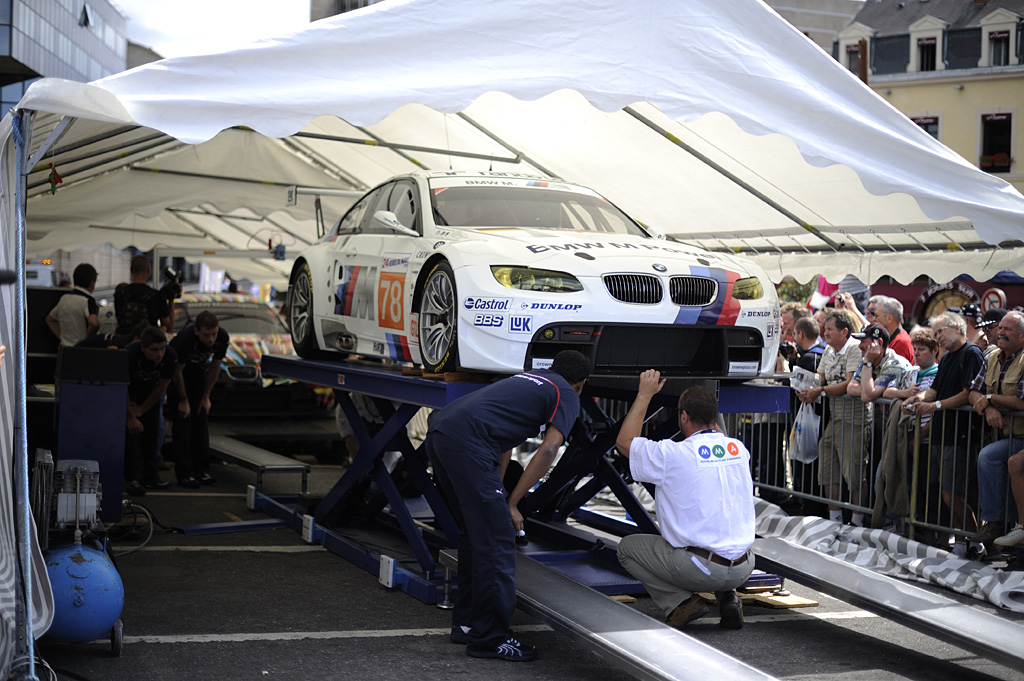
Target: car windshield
pixel 491 207
pixel 233 317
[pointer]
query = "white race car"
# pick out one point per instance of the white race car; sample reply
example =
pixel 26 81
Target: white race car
pixel 498 272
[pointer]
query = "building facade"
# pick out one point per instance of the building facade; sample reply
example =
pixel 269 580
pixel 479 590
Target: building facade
pixel 81 40
pixel 954 67
pixel 819 20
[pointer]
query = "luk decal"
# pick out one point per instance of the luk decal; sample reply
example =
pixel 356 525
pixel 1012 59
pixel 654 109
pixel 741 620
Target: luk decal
pixel 489 320
pixel 354 294
pixel 520 324
pixel 564 307
pixel 487 303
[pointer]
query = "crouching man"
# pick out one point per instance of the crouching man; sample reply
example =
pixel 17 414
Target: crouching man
pixel 705 507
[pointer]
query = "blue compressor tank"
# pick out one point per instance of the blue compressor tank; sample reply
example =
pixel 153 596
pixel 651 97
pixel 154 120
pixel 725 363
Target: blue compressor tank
pixel 87 593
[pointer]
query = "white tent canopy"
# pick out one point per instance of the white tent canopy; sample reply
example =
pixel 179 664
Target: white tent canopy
pixel 793 154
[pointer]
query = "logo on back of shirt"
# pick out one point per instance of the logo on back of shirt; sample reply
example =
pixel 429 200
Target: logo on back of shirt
pixel 717 454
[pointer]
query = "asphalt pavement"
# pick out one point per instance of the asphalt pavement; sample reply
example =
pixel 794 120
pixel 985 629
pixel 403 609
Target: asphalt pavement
pixel 264 605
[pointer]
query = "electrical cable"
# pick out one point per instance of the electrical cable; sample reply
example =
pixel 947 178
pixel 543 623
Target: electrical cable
pixel 134 508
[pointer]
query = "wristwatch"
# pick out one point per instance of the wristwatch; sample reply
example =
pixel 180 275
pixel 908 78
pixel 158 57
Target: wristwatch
pixel 989 398
pixel 938 405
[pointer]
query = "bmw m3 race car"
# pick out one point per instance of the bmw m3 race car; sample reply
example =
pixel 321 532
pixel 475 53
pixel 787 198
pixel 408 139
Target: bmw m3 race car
pixel 498 272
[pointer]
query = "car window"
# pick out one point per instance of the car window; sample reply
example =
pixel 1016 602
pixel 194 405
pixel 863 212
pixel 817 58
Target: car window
pixel 255 318
pixel 376 201
pixel 402 202
pixel 354 217
pixel 489 207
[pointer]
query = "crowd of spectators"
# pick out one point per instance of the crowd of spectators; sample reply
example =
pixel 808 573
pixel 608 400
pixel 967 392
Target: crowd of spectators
pixel 908 416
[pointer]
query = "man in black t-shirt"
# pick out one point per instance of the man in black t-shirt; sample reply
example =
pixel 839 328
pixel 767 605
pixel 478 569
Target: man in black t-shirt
pixel 200 348
pixel 469 444
pixel 151 364
pixel 138 301
pixel 951 433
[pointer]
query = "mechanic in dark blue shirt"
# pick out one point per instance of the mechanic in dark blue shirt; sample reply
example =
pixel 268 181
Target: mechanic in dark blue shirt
pixel 151 364
pixel 469 444
pixel 200 348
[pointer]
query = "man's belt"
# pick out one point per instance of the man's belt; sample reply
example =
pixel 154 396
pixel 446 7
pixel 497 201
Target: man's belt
pixel 714 557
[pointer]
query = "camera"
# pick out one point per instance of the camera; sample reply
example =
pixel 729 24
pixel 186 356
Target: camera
pixel 172 289
pixel 787 349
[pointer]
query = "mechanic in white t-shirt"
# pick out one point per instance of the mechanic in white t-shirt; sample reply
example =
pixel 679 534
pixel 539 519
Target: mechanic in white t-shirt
pixel 705 507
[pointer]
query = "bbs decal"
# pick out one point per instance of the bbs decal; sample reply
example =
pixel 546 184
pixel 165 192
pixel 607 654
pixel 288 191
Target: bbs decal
pixel 488 320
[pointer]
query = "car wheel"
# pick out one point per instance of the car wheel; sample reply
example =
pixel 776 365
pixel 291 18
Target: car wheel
pixel 438 320
pixel 301 314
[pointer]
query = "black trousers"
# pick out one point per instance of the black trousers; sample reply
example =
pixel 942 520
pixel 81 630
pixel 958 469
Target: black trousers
pixel 486 582
pixel 140 449
pixel 191 435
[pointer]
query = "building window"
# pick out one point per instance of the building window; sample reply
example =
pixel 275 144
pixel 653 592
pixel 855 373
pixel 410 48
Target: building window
pixel 930 124
pixel 926 54
pixel 996 156
pixel 853 57
pixel 999 47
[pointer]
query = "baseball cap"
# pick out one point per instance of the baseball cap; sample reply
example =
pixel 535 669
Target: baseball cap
pixel 991 318
pixel 970 311
pixel 874 331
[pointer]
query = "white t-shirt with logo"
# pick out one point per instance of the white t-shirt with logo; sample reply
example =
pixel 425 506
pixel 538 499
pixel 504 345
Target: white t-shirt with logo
pixel 705 495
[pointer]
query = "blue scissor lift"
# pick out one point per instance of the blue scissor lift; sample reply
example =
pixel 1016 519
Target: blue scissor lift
pixel 584 469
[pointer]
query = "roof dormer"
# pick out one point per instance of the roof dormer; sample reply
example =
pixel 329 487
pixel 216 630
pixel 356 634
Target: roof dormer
pixel 926 45
pixel 999 39
pixel 848 38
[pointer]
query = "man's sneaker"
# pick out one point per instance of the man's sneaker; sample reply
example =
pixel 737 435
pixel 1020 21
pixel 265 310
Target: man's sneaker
pixel 191 483
pixel 159 484
pixel 688 611
pixel 135 488
pixel 511 650
pixel 459 635
pixel 730 608
pixel 207 479
pixel 1014 537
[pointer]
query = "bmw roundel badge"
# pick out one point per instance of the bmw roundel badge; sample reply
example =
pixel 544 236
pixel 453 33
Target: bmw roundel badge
pixel 658 267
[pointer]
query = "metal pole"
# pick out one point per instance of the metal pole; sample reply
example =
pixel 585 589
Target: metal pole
pixel 20 127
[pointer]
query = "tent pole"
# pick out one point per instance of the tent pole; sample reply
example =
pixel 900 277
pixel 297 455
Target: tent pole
pixel 21 128
pixel 520 156
pixel 739 182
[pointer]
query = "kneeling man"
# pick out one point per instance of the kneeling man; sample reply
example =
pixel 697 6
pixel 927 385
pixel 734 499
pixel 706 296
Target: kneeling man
pixel 705 507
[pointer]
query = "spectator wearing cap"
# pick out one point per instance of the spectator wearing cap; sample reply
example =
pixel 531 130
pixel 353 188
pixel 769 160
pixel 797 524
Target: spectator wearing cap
pixel 990 325
pixel 971 312
pixel 889 313
pixel 999 387
pixel 882 372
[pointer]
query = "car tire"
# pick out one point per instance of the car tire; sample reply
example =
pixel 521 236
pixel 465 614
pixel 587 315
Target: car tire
pixel 438 320
pixel 300 313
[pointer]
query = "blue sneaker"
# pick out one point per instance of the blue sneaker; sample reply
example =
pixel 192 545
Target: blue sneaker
pixel 511 650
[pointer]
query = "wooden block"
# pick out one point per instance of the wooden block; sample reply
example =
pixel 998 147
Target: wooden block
pixel 466 377
pixel 412 372
pixel 624 598
pixel 790 601
pixel 432 377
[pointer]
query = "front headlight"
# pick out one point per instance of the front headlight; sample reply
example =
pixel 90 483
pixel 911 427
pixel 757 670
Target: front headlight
pixel 530 279
pixel 747 289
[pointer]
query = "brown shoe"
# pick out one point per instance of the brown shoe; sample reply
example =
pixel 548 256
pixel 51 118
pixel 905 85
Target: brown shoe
pixel 688 611
pixel 730 608
pixel 990 532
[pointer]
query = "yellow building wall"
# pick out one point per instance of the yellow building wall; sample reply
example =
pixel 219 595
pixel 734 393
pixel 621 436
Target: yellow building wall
pixel 959 110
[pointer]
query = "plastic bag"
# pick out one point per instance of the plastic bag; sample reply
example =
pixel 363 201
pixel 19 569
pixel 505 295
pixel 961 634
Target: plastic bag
pixel 803 439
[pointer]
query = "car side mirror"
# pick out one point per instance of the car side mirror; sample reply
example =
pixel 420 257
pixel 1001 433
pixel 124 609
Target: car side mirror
pixel 655 232
pixel 388 220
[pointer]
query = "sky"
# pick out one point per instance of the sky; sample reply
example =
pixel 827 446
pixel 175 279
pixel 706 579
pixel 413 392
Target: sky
pixel 178 28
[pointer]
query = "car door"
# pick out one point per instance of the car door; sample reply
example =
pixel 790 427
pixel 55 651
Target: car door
pixel 374 274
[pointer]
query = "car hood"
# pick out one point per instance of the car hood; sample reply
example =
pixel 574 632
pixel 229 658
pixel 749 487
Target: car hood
pixel 587 253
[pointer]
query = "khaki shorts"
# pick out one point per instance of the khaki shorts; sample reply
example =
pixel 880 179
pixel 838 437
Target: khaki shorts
pixel 843 451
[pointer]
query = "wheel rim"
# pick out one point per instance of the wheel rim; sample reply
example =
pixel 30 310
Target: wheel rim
pixel 301 309
pixel 437 318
